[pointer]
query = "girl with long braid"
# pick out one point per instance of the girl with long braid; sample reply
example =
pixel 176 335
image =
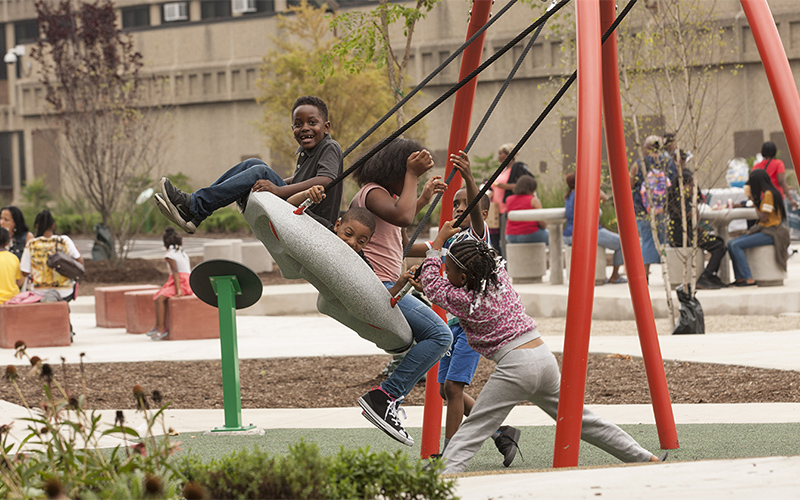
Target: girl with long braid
pixel 477 290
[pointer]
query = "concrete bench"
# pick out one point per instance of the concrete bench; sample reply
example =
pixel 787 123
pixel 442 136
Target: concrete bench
pixel 42 324
pixel 228 249
pixel 677 258
pixel 763 267
pixel 256 257
pixel 109 304
pixel 527 262
pixel 140 311
pixel 189 318
pixel 599 265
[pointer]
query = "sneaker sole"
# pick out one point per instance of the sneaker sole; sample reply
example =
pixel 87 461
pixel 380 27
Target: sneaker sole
pixel 378 422
pixel 170 212
pixel 510 458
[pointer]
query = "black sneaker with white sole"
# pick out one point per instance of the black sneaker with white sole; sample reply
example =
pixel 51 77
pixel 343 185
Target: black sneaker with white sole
pixel 174 204
pixel 381 410
pixel 507 443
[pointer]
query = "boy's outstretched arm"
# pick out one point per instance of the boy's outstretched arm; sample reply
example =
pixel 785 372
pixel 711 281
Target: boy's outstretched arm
pixel 290 189
pixel 315 193
pixel 461 163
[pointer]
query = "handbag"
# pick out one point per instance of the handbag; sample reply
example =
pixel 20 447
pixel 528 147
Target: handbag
pixel 65 265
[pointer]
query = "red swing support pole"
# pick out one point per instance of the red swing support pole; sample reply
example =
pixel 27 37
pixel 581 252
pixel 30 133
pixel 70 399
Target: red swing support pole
pixel 631 251
pixel 778 70
pixel 584 242
pixel 459 135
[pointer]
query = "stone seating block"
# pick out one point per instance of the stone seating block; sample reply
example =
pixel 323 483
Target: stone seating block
pixel 527 262
pixel 599 265
pixel 140 311
pixel 256 257
pixel 228 249
pixel 678 258
pixel 42 324
pixel 763 267
pixel 189 318
pixel 109 303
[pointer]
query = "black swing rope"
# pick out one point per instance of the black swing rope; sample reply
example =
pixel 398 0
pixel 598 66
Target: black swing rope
pixel 369 154
pixel 474 137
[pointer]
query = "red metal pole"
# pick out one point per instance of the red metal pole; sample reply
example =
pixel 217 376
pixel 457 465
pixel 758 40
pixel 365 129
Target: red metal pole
pixel 779 73
pixel 584 242
pixel 631 251
pixel 459 135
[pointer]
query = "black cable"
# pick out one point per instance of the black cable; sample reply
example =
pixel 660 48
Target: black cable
pixel 369 154
pixel 430 77
pixel 474 137
pixel 541 117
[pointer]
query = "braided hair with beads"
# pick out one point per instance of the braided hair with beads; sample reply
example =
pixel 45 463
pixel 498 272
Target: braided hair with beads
pixel 479 262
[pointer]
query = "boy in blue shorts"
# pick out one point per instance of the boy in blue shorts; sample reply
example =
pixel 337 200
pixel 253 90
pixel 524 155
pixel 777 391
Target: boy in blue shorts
pixel 319 161
pixel 459 364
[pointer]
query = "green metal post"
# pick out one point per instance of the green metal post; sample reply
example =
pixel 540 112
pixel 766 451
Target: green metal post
pixel 226 288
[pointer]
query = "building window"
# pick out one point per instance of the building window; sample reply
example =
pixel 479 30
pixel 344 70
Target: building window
pixel 26 31
pixel 211 9
pixel 6 162
pixel 253 6
pixel 136 17
pixel 175 12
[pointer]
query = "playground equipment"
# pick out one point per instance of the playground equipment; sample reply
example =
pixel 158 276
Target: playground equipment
pixel 598 97
pixel 228 286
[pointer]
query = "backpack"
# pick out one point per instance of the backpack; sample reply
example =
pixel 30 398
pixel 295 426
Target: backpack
pixel 659 184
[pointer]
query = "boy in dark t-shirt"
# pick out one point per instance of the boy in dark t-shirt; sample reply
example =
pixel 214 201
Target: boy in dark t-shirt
pixel 319 161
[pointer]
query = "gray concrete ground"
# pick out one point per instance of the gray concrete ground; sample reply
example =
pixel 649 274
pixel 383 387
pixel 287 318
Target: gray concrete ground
pixel 751 427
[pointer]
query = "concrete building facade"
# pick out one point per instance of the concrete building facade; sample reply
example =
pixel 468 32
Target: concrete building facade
pixel 209 51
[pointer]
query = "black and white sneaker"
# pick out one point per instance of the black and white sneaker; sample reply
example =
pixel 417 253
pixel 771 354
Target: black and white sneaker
pixel 507 443
pixel 174 204
pixel 381 410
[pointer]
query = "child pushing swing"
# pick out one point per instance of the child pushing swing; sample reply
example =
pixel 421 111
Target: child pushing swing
pixel 478 292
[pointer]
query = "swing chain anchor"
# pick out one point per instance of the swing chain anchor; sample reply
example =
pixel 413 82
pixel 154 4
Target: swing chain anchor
pixel 299 210
pixel 403 292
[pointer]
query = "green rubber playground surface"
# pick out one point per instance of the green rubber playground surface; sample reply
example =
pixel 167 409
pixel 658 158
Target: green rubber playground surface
pixel 697 441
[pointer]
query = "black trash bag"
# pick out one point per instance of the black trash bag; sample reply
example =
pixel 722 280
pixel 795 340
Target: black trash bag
pixel 103 248
pixel 691 320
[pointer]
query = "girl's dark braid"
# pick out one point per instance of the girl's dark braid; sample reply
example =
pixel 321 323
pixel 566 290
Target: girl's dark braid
pixel 480 262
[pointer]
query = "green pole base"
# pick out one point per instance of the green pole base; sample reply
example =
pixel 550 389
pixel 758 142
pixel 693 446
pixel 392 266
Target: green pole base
pixel 233 429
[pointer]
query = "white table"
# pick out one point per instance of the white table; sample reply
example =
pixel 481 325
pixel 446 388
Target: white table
pixel 555 219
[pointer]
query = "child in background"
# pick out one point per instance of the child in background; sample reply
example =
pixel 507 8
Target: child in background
pixel 524 198
pixel 458 366
pixel 477 290
pixel 389 190
pixel 10 274
pixel 177 284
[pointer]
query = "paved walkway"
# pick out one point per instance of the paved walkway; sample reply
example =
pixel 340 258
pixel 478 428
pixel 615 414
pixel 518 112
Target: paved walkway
pixel 263 336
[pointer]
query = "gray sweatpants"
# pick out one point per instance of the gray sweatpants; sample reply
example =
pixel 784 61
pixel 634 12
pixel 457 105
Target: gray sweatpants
pixel 530 374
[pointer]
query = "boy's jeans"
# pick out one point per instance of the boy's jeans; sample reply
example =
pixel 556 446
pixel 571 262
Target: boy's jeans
pixel 232 185
pixel 433 339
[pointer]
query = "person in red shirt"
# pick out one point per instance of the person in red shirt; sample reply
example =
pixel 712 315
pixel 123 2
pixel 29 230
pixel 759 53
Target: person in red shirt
pixel 524 198
pixel 776 170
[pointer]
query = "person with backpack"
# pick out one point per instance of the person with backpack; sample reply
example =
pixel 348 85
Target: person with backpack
pixel 651 179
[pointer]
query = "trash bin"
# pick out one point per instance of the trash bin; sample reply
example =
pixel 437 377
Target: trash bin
pixel 103 248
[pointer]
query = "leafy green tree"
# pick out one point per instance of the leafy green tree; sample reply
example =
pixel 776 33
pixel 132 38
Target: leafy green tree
pixel 366 40
pixel 354 100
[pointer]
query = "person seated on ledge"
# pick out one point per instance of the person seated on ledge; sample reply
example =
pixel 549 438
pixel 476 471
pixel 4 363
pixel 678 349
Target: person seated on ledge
pixel 706 241
pixel 605 238
pixel 769 230
pixel 524 198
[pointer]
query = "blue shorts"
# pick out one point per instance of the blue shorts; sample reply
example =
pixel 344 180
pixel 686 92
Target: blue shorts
pixel 460 362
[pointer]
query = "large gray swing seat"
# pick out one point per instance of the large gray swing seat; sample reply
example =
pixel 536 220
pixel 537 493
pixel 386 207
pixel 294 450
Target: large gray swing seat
pixel 349 291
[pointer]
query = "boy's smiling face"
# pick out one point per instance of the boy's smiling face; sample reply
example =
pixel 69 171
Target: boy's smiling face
pixel 354 233
pixel 309 126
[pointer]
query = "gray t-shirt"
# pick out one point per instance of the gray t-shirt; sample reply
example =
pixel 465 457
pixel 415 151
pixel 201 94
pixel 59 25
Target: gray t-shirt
pixel 326 160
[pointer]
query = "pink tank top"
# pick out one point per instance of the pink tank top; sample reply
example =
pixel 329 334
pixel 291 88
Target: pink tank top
pixel 497 193
pixel 385 249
